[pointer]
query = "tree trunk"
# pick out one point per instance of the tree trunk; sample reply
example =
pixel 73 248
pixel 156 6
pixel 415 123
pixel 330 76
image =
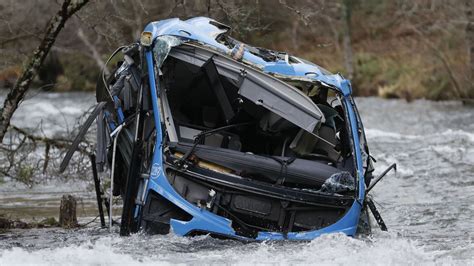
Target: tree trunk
pixel 346 38
pixel 294 35
pixel 16 94
pixel 469 9
pixel 67 212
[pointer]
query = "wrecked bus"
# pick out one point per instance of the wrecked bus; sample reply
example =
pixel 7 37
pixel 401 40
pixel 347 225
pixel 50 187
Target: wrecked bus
pixel 204 134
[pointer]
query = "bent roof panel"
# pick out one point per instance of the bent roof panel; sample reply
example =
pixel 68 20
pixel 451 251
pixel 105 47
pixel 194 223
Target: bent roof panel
pixel 201 30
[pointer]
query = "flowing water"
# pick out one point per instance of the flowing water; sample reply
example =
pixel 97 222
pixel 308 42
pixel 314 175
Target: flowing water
pixel 428 205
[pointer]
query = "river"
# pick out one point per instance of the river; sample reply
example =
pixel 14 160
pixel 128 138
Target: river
pixel 427 206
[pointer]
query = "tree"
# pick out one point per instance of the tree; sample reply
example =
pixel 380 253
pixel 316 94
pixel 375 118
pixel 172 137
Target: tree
pixel 17 93
pixel 469 10
pixel 346 38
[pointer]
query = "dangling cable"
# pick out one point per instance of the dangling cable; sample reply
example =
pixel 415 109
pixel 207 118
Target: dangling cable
pixel 116 132
pixel 105 67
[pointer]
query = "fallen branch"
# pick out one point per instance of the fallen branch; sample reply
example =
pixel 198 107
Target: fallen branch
pixel 57 143
pixel 17 152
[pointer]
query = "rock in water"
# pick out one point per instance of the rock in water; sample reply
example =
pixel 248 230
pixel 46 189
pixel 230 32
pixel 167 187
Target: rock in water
pixel 67 212
pixel 5 223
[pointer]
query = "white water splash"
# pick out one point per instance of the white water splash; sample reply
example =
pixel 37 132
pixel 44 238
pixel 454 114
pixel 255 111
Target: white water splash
pixel 334 249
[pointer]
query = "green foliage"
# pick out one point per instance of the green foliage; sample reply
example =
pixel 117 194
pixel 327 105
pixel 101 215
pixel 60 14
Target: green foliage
pixel 437 86
pixel 368 66
pixel 48 222
pixel 80 73
pixel 386 76
pixel 25 175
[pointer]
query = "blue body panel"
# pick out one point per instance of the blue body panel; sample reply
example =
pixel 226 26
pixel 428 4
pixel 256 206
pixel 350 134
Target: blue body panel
pixel 200 30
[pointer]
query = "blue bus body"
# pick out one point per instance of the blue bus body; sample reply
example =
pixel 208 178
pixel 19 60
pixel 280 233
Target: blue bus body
pixel 200 30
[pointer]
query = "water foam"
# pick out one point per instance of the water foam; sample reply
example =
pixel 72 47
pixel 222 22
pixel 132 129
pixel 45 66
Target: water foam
pixel 449 133
pixel 334 249
pixel 99 253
